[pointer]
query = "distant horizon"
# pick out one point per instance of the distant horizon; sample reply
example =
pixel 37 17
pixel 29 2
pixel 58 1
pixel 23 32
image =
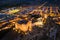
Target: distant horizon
pixel 11 3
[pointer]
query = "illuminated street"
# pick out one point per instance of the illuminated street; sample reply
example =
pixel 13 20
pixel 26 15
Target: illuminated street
pixel 30 23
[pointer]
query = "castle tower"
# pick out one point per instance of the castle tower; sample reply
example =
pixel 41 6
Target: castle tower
pixel 46 10
pixel 57 9
pixel 41 12
pixel 51 9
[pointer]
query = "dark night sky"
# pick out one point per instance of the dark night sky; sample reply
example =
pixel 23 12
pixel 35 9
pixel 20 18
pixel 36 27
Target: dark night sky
pixel 28 2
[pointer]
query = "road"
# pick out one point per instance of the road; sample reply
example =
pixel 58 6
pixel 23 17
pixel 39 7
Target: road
pixel 7 25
